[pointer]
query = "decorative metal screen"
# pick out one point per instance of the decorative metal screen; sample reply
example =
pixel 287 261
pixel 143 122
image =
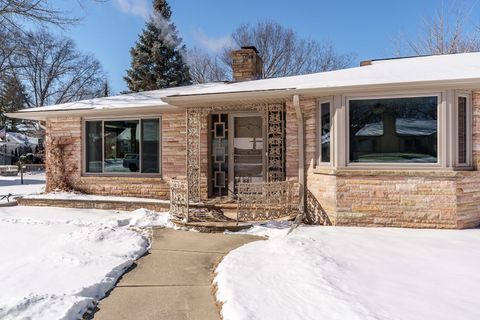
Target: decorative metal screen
pixel 276 142
pixel 219 132
pixel 265 201
pixel 194 125
pixel 179 206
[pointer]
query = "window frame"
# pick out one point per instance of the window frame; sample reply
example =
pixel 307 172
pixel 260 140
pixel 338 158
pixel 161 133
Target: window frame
pixel 469 136
pixel 122 174
pixel 318 135
pixel 441 127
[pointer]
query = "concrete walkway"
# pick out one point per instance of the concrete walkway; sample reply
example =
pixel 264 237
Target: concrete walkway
pixel 174 281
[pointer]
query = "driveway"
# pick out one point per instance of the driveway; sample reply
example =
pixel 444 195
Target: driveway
pixel 174 281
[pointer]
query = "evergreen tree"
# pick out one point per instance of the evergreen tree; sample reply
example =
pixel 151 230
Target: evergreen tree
pixel 12 97
pixel 157 60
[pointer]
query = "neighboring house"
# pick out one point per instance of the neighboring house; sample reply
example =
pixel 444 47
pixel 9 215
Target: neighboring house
pixel 393 142
pixel 14 145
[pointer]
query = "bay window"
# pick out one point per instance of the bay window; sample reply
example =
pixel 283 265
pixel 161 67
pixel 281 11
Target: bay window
pixel 393 130
pixel 122 146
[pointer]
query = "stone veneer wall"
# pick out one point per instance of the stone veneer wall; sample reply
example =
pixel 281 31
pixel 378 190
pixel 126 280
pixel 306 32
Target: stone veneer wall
pixel 396 198
pixel 468 187
pixel 173 160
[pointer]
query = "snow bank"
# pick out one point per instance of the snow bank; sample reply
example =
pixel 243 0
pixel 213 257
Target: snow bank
pixel 56 261
pixel 353 273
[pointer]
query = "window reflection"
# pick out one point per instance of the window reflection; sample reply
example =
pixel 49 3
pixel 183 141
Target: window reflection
pixel 121 146
pixel 398 130
pixel 150 146
pixel 325 131
pixel 93 146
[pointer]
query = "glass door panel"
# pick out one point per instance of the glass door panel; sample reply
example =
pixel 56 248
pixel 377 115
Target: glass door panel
pixel 247 149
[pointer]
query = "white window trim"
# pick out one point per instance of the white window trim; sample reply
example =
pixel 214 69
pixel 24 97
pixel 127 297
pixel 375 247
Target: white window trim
pixel 318 137
pixel 121 174
pixel 441 117
pixel 469 135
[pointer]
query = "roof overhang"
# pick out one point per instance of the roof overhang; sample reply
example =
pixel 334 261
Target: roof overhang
pixel 178 103
pixel 465 84
pixel 229 98
pixel 44 113
pixel 279 95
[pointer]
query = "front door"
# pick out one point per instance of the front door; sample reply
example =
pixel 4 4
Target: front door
pixel 236 151
pixel 246 149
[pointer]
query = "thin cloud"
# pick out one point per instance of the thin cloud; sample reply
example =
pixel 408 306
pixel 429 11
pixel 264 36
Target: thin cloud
pixel 212 44
pixel 138 8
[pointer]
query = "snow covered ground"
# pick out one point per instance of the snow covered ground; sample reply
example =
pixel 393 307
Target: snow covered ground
pixel 32 184
pixel 352 273
pixel 56 261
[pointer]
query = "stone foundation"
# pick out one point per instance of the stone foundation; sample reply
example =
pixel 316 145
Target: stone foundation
pixel 97 204
pixel 418 199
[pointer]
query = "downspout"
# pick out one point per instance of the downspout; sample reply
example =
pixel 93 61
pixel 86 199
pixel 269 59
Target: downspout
pixel 301 154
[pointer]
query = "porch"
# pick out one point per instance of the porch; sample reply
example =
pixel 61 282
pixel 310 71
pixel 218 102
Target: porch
pixel 235 166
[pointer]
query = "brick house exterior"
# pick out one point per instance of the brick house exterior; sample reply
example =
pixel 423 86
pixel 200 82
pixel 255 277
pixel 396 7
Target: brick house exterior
pixel 443 195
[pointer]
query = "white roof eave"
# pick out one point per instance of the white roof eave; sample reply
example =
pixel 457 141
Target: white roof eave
pixel 32 114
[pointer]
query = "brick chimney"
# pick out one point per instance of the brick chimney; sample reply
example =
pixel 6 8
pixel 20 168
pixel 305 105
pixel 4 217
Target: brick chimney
pixel 246 64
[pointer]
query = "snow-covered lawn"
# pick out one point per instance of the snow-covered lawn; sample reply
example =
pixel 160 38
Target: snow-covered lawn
pixel 353 273
pixel 32 184
pixel 56 261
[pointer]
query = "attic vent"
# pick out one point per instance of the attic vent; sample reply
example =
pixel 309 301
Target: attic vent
pixel 365 63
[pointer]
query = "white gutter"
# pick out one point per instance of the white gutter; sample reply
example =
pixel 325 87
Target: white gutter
pixel 301 154
pixel 44 113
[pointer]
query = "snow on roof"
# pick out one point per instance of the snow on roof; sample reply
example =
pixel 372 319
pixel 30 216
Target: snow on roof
pixel 450 68
pixel 130 100
pixel 19 138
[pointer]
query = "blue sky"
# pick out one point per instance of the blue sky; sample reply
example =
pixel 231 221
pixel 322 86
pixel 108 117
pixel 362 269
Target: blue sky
pixel 367 28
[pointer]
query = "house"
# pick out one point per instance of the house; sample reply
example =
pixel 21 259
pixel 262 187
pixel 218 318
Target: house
pixel 394 142
pixel 15 144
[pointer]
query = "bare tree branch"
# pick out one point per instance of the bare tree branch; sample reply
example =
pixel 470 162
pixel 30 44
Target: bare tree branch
pixel 204 67
pixel 13 13
pixel 54 71
pixel 446 32
pixel 284 53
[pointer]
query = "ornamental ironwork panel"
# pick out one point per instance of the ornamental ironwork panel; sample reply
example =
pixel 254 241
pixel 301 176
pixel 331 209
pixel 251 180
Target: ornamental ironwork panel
pixel 179 204
pixel 265 201
pixel 219 157
pixel 276 142
pixel 194 126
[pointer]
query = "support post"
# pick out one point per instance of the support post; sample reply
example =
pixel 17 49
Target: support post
pixel 301 154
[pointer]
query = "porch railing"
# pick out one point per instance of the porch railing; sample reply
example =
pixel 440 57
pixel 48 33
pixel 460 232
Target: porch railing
pixel 255 201
pixel 179 199
pixel 265 200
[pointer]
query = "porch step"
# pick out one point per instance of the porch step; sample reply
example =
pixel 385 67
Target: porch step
pixel 210 226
